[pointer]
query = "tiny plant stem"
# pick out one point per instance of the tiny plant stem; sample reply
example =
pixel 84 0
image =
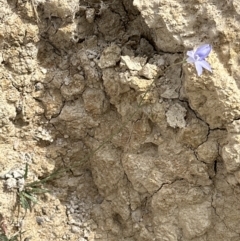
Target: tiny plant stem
pixel 35 11
pixel 57 172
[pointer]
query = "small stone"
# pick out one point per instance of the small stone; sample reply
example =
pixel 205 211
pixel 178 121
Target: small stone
pixel 98 235
pixel 18 174
pixel 90 14
pixel 133 63
pixel 8 175
pixel 169 94
pixel 82 239
pixel 136 215
pixel 149 71
pixel 20 184
pixel 92 64
pixel 161 62
pixel 71 221
pixel 11 183
pixel 64 237
pixel 39 220
pixel 44 71
pixel 75 206
pixel 39 86
pixel 28 157
pixel 110 56
pixel 91 56
pixel 75 229
pixel 236 6
pixel 47 219
pixel 176 116
pixel 85 233
pixel 79 224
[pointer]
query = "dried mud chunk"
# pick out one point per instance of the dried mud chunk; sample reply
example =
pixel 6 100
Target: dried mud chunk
pixel 120 203
pixel 176 116
pixel 170 94
pixel 110 56
pixel 73 120
pixel 73 87
pixel 107 170
pixel 133 63
pixel 12 95
pixel 92 75
pixel 236 6
pixel 95 101
pixel 149 71
pixel 11 183
pixel 134 199
pixel 194 133
pixel 144 176
pixel 90 15
pixel 110 25
pixel 139 84
pixel 63 36
pixel 60 8
pixel 145 48
pixel 177 161
pixel 195 220
pixel 21 61
pixel 43 134
pixel 84 28
pixel 231 151
pixel 113 87
pixel 52 102
pixel 208 151
pixel 231 157
pixel 189 208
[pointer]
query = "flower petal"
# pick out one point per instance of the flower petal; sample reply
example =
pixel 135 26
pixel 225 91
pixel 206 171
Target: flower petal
pixel 190 60
pixel 205 65
pixel 203 51
pixel 198 67
pixel 190 54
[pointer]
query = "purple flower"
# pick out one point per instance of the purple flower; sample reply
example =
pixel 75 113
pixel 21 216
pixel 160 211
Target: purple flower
pixel 198 56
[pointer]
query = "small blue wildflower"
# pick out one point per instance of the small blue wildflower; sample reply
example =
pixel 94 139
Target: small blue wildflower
pixel 198 56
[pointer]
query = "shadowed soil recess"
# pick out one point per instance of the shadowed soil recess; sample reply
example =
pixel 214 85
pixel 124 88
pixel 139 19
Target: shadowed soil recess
pixel 148 150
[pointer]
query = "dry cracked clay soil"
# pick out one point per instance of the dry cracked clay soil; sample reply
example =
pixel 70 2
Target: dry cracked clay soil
pixel 97 107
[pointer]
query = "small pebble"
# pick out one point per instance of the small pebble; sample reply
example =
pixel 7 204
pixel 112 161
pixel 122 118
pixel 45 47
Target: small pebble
pixel 64 237
pixel 92 64
pixel 8 175
pixel 39 220
pixel 11 183
pixel 20 184
pixel 75 229
pixel 82 239
pixel 85 233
